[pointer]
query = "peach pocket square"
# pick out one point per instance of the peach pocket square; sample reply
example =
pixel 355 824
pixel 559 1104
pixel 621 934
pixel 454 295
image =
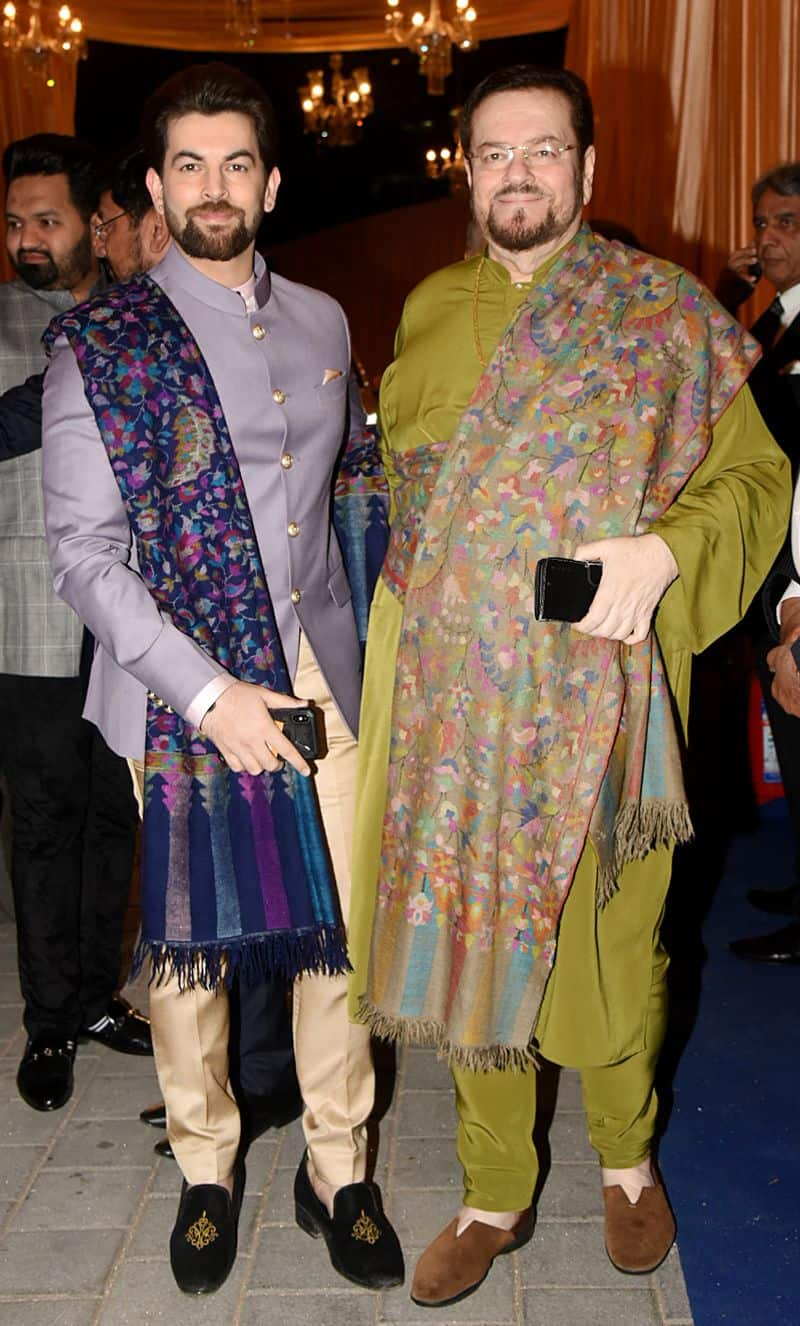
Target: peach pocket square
pixel 330 375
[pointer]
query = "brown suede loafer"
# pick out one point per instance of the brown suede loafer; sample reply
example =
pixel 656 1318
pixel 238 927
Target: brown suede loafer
pixel 638 1234
pixel 450 1268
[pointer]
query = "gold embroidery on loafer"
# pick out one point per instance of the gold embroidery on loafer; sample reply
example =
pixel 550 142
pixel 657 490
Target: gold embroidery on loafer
pixel 201 1233
pixel 365 1229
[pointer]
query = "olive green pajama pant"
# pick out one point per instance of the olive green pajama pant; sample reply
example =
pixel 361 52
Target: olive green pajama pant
pixel 497 1109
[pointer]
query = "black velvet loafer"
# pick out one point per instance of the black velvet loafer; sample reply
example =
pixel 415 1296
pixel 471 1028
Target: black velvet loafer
pixel 164 1149
pixel 155 1115
pixel 44 1077
pixel 202 1247
pixel 362 1245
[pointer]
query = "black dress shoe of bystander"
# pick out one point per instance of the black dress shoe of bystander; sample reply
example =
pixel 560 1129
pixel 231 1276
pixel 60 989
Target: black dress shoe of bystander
pixel 155 1115
pixel 44 1077
pixel 778 902
pixel 258 1114
pixel 122 1028
pixel 362 1245
pixel 780 946
pixel 202 1247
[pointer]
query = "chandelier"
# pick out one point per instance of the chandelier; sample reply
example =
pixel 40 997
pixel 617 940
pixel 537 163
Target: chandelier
pixel 433 38
pixel 241 21
pixel 337 120
pixel 444 163
pixel 35 47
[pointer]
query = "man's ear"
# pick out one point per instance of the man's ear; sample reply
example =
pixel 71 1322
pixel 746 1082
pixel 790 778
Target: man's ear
pixel 156 189
pixel 271 191
pixel 588 174
pixel 154 237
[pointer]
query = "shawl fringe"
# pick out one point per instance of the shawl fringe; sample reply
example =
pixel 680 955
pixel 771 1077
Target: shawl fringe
pixel 281 953
pixel 637 830
pixel 426 1031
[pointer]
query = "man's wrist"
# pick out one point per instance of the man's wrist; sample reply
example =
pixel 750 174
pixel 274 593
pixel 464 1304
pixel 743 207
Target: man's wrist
pixel 668 557
pixel 205 699
pixel 671 567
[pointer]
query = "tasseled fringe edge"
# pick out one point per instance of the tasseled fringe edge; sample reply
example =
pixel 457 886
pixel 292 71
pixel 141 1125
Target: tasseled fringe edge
pixel 637 830
pixel 425 1031
pixel 282 954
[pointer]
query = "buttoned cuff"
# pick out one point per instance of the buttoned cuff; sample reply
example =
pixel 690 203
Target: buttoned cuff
pixel 204 699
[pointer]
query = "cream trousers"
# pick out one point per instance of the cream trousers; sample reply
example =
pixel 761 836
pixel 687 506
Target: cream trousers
pixel 334 1065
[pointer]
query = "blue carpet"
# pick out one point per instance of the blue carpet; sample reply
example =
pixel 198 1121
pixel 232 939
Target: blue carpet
pixel 731 1153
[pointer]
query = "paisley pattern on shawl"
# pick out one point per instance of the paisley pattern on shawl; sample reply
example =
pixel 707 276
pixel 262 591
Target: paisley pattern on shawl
pixel 235 869
pixel 515 740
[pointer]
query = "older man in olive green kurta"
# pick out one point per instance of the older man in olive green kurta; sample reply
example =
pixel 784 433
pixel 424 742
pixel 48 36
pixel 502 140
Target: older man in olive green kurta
pixel 604 1005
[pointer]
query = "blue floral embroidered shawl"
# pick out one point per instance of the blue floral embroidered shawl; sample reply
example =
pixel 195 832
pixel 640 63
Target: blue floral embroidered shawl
pixel 235 871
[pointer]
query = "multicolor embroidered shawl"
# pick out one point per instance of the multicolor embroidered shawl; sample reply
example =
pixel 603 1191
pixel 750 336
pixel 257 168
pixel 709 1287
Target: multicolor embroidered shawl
pixel 235 871
pixel 515 740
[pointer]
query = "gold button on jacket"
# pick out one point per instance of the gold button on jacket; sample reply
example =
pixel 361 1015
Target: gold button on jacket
pixel 278 396
pixel 258 332
pixel 287 460
pixel 294 529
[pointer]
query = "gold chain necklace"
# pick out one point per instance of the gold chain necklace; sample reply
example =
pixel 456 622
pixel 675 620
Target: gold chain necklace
pixel 476 332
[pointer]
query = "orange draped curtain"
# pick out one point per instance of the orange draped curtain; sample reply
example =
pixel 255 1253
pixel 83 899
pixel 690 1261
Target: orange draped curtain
pixel 694 99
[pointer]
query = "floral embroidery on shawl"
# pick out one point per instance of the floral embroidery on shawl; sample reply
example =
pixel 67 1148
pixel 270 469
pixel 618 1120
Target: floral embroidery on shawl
pixel 236 875
pixel 515 741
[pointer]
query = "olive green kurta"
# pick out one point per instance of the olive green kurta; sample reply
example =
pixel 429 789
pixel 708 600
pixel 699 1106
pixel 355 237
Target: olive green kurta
pixel 724 531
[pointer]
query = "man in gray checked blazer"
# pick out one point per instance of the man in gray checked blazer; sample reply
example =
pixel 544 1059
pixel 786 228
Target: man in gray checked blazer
pixel 74 820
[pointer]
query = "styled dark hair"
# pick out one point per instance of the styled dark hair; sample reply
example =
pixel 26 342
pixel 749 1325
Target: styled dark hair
pixel 525 77
pixel 208 89
pixel 125 177
pixel 57 154
pixel 784 179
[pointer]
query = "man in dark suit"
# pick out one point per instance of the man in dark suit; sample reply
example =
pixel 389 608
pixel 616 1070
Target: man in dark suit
pixel 775 383
pixel 74 818
pixel 775 255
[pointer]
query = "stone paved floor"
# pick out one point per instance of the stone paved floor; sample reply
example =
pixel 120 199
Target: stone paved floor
pixel 86 1210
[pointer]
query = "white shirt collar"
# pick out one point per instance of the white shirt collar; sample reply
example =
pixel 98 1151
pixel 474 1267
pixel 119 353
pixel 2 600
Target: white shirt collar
pixel 790 300
pixel 248 293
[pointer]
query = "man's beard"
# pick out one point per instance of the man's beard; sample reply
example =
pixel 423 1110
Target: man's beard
pixel 519 232
pixel 218 246
pixel 51 275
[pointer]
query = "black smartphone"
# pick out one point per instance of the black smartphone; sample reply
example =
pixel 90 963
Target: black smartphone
pixel 754 270
pixel 564 588
pixel 302 728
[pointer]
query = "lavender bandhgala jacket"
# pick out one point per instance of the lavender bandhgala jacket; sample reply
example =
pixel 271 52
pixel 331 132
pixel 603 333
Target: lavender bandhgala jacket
pixel 281 373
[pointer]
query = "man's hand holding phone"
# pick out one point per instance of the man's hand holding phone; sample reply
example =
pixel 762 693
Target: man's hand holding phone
pixel 245 734
pixel 636 572
pixel 745 265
